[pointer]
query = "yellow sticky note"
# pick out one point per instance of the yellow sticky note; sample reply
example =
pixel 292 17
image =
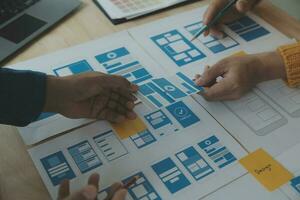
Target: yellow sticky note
pixel 239 53
pixel 128 128
pixel 269 172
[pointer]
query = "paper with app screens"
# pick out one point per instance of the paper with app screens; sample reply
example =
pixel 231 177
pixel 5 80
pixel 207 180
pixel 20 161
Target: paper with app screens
pixel 179 142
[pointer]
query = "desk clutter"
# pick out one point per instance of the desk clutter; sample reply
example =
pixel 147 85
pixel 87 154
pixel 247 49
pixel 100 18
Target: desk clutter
pixel 204 140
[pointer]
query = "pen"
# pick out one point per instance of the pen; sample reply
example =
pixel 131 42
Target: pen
pixel 132 181
pixel 215 19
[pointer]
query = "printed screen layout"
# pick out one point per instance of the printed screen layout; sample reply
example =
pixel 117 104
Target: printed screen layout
pixel 257 114
pixel 163 91
pixel 214 44
pixel 248 29
pixel 178 48
pixel 121 62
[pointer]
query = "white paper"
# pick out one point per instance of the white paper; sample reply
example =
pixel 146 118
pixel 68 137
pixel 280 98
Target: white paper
pixel 290 161
pixel 43 129
pixel 246 188
pixel 129 159
pixel 184 26
pixel 261 119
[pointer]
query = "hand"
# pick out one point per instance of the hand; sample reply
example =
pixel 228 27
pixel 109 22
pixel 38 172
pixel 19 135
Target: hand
pixel 242 6
pixel 90 191
pixel 91 95
pixel 239 74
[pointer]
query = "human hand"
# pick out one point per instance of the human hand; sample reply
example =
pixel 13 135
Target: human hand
pixel 242 6
pixel 239 74
pixel 91 95
pixel 90 191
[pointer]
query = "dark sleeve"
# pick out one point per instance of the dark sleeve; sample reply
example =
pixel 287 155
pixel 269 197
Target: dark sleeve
pixel 22 96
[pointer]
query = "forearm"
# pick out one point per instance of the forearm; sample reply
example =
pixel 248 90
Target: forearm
pixel 272 66
pixel 22 96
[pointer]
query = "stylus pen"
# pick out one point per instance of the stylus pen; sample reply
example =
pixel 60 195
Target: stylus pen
pixel 215 19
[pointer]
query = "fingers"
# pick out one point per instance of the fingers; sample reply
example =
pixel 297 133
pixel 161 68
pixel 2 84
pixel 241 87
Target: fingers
pixel 120 195
pixel 87 193
pixel 211 74
pixel 101 96
pixel 111 116
pixel 64 190
pixel 216 32
pixel 217 92
pixel 126 93
pixel 94 180
pixel 244 6
pixel 113 106
pixel 113 189
pixel 134 88
pixel 214 7
pixel 241 7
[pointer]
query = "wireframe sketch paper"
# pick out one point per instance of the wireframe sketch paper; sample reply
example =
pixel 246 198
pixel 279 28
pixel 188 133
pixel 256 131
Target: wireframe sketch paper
pixel 200 154
pixel 117 54
pixel 203 139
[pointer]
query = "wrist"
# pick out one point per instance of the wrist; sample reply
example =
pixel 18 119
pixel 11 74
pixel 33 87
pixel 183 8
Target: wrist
pixel 271 66
pixel 52 94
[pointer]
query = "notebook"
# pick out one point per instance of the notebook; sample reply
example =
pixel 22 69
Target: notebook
pixel 119 11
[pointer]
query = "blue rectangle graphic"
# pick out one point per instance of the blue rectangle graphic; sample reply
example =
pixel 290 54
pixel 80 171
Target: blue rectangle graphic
pixel 183 114
pixel 248 29
pixel 110 145
pixel 170 175
pixel 142 189
pixel 74 68
pixel 121 62
pixel 169 88
pixel 143 139
pixel 158 119
pixel 84 156
pixel 112 55
pixel 212 43
pixel 295 182
pixel 217 151
pixel 161 91
pixel 57 168
pixel 189 82
pixel 194 163
pixel 178 48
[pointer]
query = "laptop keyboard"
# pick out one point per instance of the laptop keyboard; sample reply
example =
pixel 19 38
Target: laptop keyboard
pixel 10 8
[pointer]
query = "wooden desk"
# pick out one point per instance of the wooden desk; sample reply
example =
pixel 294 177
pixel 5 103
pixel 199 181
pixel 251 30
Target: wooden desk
pixel 19 179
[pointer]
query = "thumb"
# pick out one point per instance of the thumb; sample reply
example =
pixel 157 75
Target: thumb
pixel 87 193
pixel 210 75
pixel 120 195
pixel 244 6
pixel 216 92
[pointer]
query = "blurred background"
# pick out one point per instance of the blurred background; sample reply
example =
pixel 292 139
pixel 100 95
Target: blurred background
pixel 290 6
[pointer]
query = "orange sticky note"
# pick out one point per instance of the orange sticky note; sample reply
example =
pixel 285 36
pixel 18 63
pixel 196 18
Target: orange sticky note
pixel 128 127
pixel 269 172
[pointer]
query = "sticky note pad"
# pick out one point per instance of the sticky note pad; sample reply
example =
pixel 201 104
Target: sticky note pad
pixel 128 127
pixel 269 172
pixel 239 53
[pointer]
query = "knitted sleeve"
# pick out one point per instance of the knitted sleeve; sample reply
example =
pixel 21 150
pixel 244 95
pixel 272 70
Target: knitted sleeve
pixel 291 57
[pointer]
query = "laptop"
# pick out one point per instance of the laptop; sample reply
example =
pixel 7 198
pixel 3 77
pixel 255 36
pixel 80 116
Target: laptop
pixel 23 20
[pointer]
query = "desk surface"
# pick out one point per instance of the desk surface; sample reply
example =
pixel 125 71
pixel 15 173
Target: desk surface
pixel 18 176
